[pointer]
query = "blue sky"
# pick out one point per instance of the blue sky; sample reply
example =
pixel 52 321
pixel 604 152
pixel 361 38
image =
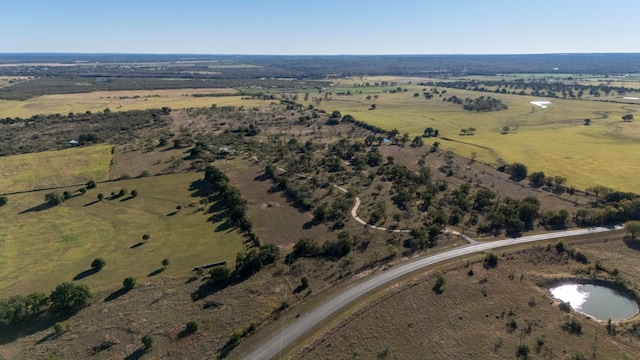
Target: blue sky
pixel 320 27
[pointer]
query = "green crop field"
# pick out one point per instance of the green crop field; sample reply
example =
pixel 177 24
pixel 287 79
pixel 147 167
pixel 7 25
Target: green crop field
pixel 121 101
pixel 43 247
pixel 54 168
pixel 554 140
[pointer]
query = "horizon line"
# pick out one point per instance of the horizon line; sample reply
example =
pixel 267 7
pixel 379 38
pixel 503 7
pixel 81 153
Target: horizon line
pixel 344 54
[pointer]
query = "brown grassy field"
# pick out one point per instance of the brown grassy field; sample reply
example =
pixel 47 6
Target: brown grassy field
pixel 469 320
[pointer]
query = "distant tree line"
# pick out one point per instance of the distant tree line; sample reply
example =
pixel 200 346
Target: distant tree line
pixel 535 87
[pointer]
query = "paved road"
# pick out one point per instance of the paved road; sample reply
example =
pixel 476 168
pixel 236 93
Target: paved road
pixel 307 321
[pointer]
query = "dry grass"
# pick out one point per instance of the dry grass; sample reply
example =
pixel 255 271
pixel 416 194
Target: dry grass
pixel 469 319
pixel 54 168
pixel 553 140
pixel 121 101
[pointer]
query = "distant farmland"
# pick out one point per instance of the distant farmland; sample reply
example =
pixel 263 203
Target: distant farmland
pixel 122 101
pixel 554 140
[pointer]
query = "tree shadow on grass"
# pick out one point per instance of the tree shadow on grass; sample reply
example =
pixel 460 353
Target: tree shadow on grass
pixel 172 213
pixel 116 294
pixel 127 198
pixel 136 354
pixel 227 225
pixel 91 203
pixel 41 207
pixel 39 322
pixel 262 177
pixel 200 188
pixel 156 272
pixel 632 243
pixel 207 288
pixel 46 338
pixel 85 273
pixel 136 245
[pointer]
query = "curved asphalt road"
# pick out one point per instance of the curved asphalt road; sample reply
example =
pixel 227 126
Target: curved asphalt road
pixel 306 322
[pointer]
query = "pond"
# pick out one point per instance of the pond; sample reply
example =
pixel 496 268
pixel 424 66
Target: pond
pixel 600 302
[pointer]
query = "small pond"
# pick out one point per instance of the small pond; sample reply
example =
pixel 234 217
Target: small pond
pixel 600 302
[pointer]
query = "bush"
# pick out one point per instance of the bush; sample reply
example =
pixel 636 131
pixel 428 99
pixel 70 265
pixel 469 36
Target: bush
pixel 572 325
pixel 147 342
pixel 91 184
pixel 565 306
pixel 3 200
pixel 53 198
pixel 129 283
pixel 523 351
pixel 490 260
pixel 191 328
pixel 440 281
pixel 219 276
pixel 304 282
pixel 165 263
pixel 305 247
pixel 134 193
pixel 146 237
pixel 98 264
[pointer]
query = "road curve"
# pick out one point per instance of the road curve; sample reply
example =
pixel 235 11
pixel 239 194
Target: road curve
pixel 307 321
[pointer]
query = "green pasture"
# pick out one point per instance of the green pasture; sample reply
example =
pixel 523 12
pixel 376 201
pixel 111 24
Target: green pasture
pixel 43 247
pixel 554 140
pixel 54 168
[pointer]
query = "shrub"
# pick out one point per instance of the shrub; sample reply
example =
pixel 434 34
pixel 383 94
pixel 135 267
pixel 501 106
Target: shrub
pixel 147 342
pixel 3 200
pixel 304 282
pixel 98 264
pixel 572 325
pixel 440 281
pixel 134 193
pixel 165 263
pixel 565 306
pixel 146 237
pixel 91 184
pixel 66 195
pixel 100 196
pixel 53 198
pixel 490 260
pixel 191 328
pixel 219 275
pixel 305 247
pixel 522 351
pixel 129 283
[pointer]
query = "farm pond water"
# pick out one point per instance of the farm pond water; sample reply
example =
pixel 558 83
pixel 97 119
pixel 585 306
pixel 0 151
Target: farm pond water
pixel 599 302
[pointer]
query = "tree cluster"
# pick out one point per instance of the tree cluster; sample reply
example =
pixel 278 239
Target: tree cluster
pixel 219 185
pixel 480 104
